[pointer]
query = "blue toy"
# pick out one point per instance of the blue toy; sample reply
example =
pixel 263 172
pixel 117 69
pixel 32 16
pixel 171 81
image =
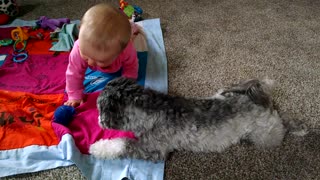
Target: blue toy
pixel 19 57
pixel 137 9
pixel 64 115
pixel 137 13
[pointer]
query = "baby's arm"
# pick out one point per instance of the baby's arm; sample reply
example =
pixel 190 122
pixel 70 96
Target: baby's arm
pixel 74 77
pixel 130 63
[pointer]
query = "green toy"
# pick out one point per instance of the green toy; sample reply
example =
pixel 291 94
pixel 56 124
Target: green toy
pixel 129 10
pixel 6 42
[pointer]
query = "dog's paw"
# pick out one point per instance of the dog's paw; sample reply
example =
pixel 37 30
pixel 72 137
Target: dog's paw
pixel 102 124
pixel 108 148
pixel 300 130
pixel 219 95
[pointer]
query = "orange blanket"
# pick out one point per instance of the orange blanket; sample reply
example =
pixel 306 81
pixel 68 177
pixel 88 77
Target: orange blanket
pixel 25 119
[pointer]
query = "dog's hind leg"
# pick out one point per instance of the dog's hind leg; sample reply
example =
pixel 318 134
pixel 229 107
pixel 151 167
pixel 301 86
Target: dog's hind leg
pixel 140 150
pixel 294 126
pixel 268 131
pixel 258 91
pixel 129 148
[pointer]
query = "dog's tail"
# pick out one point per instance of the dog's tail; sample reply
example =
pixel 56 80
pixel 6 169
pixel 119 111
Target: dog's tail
pixel 260 93
pixel 125 148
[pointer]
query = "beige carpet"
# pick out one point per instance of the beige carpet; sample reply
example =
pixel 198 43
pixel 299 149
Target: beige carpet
pixel 212 43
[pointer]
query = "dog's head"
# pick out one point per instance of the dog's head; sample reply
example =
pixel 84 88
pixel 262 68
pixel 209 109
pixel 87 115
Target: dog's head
pixel 109 115
pixel 111 102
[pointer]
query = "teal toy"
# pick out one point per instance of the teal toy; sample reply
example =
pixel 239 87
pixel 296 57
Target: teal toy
pixel 6 42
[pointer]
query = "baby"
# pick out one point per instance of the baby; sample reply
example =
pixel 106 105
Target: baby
pixel 104 44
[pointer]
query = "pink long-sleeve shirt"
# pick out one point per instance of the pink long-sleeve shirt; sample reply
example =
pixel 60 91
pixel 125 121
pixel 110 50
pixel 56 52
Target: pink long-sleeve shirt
pixel 127 60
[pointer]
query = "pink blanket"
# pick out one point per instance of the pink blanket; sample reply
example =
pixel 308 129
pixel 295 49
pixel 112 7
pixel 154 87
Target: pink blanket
pixel 85 128
pixel 44 74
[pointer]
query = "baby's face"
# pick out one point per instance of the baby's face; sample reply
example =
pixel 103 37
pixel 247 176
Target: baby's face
pixel 102 59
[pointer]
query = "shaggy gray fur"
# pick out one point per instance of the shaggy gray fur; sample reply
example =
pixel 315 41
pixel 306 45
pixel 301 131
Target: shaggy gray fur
pixel 164 123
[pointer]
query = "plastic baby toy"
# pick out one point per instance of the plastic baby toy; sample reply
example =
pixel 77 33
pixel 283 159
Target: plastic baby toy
pixel 19 34
pixel 6 42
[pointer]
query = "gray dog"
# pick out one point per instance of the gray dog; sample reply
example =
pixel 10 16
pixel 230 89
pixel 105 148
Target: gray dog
pixel 163 123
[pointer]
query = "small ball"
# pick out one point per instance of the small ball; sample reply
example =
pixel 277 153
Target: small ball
pixel 64 115
pixel 4 19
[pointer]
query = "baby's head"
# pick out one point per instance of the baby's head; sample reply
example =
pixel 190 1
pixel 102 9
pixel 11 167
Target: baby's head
pixel 104 32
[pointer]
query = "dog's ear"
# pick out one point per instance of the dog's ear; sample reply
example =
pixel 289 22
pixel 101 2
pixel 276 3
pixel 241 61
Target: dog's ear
pixel 124 88
pixel 121 82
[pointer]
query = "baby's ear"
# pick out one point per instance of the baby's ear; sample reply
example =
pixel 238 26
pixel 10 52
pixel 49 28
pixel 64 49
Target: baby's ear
pixel 79 27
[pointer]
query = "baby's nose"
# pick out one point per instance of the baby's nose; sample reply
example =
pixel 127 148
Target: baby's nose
pixel 91 62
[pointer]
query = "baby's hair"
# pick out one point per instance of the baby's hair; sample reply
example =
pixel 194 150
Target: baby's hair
pixel 103 24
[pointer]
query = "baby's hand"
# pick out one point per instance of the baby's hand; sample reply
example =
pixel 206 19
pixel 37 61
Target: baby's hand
pixel 73 103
